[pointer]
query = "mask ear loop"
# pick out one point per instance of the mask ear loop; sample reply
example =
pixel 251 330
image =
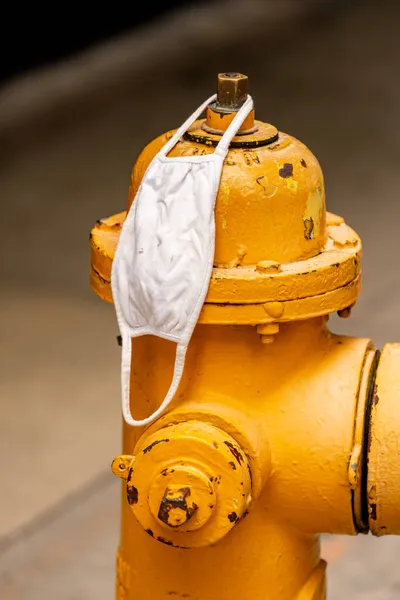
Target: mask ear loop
pixel 181 348
pixel 126 377
pixel 224 143
pixel 185 126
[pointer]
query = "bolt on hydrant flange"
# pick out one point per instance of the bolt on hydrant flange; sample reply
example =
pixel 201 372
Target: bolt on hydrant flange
pixel 262 439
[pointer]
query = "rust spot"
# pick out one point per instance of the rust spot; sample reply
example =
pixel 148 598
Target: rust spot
pixel 232 464
pixel 250 475
pixel 104 281
pixel 233 517
pixel 235 451
pixel 149 531
pixel 286 171
pixel 303 163
pixel 178 501
pixel 164 472
pixel 192 136
pixel 372 511
pixel 258 180
pixel 169 543
pixel 215 444
pixel 150 448
pixel 129 475
pixel 132 494
pixel 164 541
pixel 211 505
pixel 309 228
pixel 375 397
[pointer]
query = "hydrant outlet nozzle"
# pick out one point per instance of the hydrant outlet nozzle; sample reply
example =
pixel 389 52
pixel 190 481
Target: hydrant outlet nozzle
pixel 189 484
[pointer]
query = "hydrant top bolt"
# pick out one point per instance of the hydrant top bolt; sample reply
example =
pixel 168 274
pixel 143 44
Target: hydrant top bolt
pixel 232 91
pixel 231 94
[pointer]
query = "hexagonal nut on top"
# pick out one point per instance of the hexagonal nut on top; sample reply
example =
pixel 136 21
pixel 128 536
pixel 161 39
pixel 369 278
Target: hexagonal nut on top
pixel 231 91
pixel 190 483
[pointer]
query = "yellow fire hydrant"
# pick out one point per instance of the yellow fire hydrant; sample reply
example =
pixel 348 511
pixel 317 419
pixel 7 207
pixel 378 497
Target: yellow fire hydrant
pixel 280 429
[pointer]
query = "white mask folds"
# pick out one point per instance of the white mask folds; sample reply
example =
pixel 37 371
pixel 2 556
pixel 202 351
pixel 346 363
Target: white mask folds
pixel 164 258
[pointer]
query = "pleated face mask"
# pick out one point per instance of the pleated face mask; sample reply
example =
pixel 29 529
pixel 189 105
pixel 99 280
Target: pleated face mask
pixel 164 258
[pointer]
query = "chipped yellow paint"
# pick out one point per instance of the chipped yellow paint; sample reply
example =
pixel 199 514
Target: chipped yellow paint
pixel 224 193
pixel 265 445
pixel 191 479
pixel 333 274
pixel 355 470
pixel 384 446
pixel 314 211
pixel 261 221
pixel 236 389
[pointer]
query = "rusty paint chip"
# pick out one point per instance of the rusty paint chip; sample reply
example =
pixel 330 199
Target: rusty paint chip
pixel 149 531
pixel 132 494
pixel 169 503
pixel 286 171
pixel 233 517
pixel 372 511
pixel 375 397
pixel 149 448
pixel 235 451
pixel 309 228
pixel 164 541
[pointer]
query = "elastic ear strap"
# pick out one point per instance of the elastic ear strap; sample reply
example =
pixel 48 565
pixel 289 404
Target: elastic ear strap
pixel 126 376
pixel 235 125
pixel 185 126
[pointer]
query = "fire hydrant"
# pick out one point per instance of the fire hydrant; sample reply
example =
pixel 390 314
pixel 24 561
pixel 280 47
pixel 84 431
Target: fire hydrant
pixel 280 429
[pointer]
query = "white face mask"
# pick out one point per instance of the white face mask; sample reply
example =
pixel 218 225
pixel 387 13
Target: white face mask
pixel 164 258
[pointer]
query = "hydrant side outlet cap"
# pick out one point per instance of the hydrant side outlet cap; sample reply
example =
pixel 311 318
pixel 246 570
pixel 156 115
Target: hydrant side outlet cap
pixel 192 484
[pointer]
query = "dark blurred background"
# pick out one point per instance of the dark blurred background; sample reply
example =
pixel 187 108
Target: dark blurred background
pixel 38 36
pixel 82 91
